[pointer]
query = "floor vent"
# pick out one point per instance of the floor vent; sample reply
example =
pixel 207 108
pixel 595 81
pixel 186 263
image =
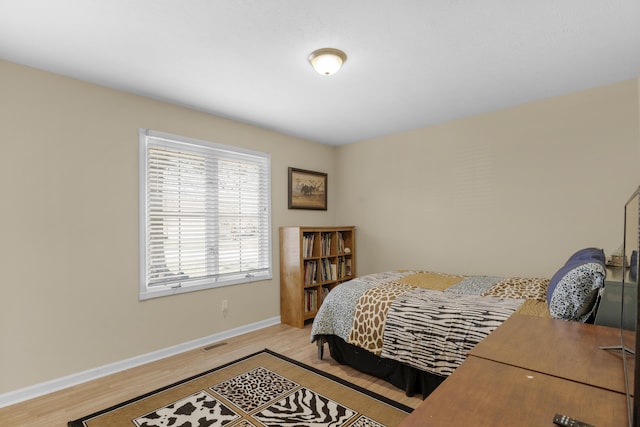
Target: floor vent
pixel 212 346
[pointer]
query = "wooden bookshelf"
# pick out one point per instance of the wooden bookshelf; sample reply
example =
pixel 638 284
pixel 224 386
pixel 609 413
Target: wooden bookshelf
pixel 313 260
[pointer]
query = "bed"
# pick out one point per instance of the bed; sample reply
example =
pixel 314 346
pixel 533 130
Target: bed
pixel 414 327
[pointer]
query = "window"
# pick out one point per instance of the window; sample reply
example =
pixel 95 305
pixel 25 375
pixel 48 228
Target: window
pixel 205 215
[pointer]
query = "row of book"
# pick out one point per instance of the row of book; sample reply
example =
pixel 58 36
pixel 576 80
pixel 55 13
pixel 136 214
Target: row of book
pixel 311 302
pixel 325 244
pixel 344 267
pixel 327 270
pixel 307 244
pixel 323 267
pixel 340 242
pixel 310 272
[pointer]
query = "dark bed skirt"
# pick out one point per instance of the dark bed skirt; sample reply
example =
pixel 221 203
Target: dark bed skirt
pixel 409 379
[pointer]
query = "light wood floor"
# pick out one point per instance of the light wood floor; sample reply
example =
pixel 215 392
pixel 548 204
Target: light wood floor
pixel 56 409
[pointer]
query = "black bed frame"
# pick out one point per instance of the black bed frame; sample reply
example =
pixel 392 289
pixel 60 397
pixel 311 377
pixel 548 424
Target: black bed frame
pixel 407 378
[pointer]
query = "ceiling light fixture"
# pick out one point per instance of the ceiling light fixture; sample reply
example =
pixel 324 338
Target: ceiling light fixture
pixel 327 61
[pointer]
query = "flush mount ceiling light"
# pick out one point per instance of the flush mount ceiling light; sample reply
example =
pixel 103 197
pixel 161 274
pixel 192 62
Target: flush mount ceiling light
pixel 327 61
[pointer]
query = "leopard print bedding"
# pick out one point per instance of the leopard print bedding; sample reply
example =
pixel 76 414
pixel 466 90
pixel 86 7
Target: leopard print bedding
pixel 520 287
pixel 357 311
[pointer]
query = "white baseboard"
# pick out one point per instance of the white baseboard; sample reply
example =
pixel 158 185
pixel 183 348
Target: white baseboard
pixel 47 387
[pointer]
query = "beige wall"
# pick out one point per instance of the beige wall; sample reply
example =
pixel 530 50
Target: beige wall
pixel 69 253
pixel 512 192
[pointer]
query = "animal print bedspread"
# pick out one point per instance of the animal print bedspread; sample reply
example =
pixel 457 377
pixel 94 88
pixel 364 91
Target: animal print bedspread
pixel 424 319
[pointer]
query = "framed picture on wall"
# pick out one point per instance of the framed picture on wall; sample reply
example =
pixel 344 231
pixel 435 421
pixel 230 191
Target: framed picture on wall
pixel 307 189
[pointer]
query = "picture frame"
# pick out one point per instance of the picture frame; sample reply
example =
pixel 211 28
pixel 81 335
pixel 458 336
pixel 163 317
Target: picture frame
pixel 307 189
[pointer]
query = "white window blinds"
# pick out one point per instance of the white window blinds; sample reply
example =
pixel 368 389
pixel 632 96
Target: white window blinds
pixel 206 215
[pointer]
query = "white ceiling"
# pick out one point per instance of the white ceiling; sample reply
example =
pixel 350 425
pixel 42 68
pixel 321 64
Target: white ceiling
pixel 411 63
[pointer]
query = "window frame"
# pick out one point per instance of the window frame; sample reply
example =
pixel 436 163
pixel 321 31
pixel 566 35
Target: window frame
pixel 147 291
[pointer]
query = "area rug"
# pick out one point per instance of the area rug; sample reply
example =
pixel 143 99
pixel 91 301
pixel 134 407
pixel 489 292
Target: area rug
pixel 262 389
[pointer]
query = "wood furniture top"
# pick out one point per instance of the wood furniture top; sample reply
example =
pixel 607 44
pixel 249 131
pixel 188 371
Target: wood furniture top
pixel 482 392
pixel 563 349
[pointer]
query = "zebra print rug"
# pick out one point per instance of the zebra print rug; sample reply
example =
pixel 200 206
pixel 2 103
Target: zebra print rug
pixel 262 389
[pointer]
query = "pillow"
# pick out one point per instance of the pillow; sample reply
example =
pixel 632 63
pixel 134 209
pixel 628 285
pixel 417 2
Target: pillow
pixel 586 255
pixel 574 289
pixel 589 253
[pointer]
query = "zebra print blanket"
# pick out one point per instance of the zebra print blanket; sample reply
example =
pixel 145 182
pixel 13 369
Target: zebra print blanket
pixel 426 320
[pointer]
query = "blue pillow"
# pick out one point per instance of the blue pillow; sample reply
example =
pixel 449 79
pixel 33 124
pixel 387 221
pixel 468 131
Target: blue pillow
pixel 589 253
pixel 574 289
pixel 583 255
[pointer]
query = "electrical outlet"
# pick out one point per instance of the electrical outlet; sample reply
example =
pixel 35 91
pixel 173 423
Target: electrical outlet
pixel 225 307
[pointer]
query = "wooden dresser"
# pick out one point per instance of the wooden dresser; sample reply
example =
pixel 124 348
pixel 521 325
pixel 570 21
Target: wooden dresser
pixel 528 370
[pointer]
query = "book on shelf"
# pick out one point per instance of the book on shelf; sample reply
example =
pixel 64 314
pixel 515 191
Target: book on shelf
pixel 307 244
pixel 310 272
pixel 325 270
pixel 311 300
pixel 341 269
pixel 326 244
pixel 340 242
pixel 348 267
